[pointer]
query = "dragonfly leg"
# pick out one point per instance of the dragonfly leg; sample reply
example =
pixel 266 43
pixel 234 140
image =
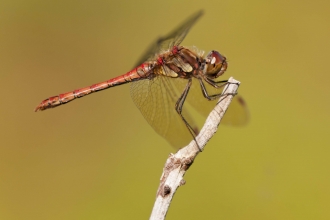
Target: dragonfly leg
pixel 213 83
pixel 178 108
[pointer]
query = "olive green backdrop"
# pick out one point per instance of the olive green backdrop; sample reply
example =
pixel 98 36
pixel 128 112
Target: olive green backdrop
pixel 97 158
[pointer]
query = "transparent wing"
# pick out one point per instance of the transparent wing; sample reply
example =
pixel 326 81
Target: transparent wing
pixel 237 113
pixel 156 99
pixel 172 39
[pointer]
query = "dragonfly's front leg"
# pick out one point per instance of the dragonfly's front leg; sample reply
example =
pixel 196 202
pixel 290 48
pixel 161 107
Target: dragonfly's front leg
pixel 214 84
pixel 179 106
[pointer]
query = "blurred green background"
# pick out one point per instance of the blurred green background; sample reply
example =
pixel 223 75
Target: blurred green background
pixel 97 158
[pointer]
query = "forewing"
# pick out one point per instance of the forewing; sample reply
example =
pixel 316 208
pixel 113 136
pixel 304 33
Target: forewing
pixel 156 99
pixel 237 113
pixel 172 39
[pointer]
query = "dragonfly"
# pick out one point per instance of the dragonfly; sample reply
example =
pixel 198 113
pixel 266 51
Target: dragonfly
pixel 161 82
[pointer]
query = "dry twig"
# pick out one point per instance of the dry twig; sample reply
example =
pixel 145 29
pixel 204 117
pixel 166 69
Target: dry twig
pixel 177 164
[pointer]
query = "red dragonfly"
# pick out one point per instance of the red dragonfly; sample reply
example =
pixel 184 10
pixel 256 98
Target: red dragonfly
pixel 161 82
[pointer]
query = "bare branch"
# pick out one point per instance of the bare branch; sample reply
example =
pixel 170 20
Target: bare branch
pixel 177 164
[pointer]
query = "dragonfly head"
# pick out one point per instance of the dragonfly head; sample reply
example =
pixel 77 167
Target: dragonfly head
pixel 216 64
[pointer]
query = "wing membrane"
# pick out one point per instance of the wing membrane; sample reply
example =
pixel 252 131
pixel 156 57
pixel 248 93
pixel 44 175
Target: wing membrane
pixel 172 39
pixel 156 99
pixel 237 113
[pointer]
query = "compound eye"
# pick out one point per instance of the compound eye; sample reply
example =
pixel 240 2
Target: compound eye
pixel 216 64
